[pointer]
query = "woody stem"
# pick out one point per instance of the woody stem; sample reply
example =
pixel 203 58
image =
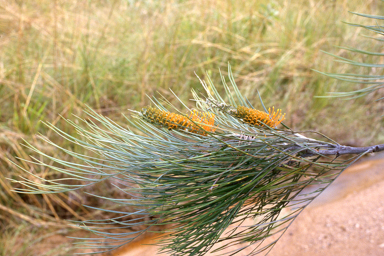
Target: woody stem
pixel 344 150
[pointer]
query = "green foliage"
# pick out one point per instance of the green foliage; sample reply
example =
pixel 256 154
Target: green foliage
pixel 197 185
pixel 371 77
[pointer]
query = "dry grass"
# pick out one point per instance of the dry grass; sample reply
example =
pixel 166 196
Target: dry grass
pixel 58 56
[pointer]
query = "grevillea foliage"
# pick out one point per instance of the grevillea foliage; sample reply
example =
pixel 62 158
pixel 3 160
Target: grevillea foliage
pixel 201 174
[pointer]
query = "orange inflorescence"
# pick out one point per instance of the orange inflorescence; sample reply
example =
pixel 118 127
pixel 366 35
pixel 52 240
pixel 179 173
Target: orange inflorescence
pixel 260 118
pixel 204 121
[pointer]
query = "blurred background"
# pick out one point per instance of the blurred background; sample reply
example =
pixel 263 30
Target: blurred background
pixel 59 56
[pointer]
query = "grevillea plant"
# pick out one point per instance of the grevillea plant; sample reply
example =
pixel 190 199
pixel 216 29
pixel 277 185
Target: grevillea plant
pixel 201 174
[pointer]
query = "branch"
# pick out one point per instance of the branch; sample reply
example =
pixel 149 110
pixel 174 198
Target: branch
pixel 344 150
pixel 336 149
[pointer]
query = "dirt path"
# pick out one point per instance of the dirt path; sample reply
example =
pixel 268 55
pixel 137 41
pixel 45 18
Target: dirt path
pixel 347 219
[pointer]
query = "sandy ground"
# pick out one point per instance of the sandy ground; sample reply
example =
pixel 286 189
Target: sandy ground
pixel 350 226
pixel 347 219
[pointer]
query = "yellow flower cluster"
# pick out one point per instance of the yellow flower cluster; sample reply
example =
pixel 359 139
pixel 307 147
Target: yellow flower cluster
pixel 203 121
pixel 259 118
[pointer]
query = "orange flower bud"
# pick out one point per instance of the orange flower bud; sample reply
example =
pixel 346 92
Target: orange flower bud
pixel 204 121
pixel 259 118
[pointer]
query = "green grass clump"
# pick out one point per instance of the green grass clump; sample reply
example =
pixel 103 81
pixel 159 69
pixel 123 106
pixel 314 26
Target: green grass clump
pixel 59 56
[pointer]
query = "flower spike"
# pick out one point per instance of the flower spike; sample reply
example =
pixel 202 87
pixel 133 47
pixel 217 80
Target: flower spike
pixel 259 118
pixel 198 122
